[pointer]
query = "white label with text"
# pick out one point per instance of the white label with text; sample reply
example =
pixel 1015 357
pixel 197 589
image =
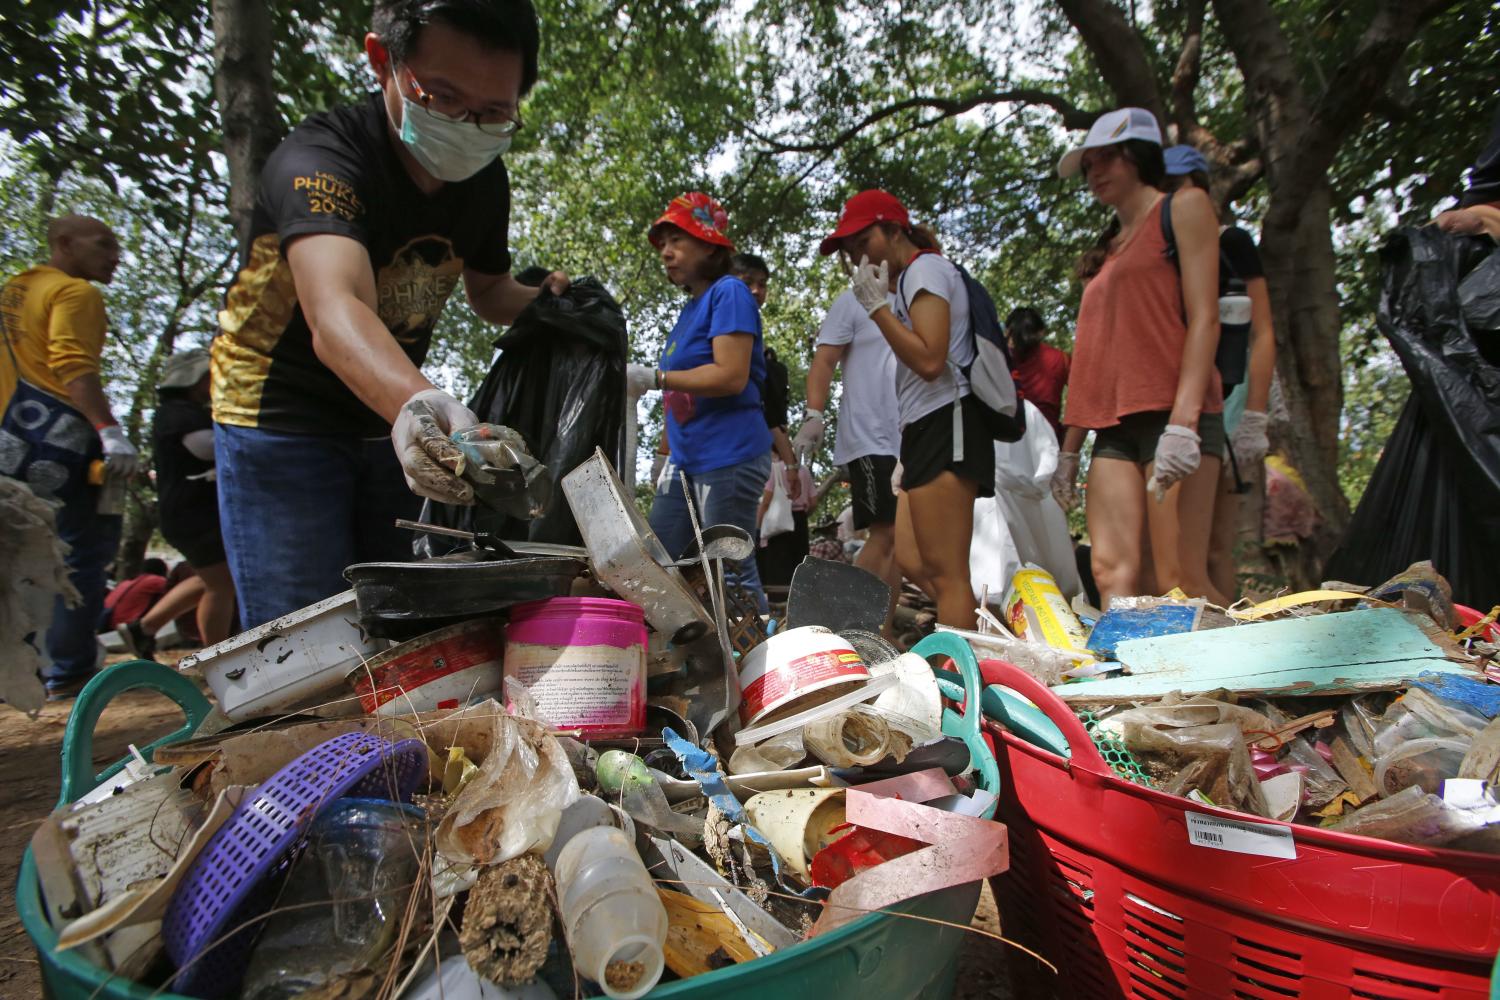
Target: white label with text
pixel 1242 838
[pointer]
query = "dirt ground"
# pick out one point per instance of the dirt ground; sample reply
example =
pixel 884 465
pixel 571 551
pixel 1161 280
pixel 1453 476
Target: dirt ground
pixel 30 762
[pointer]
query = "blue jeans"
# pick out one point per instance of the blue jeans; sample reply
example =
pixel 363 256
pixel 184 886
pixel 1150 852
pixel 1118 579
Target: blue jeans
pixel 94 538
pixel 296 509
pixel 730 495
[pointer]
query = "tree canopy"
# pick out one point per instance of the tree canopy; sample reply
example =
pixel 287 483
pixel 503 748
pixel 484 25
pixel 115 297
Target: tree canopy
pixel 1345 117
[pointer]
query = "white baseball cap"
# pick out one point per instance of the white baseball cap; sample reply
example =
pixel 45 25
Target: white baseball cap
pixel 1110 128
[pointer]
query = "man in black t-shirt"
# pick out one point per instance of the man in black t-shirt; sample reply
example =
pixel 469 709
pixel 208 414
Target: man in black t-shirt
pixel 366 220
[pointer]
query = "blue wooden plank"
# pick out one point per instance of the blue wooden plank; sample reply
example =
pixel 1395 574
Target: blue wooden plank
pixel 1372 649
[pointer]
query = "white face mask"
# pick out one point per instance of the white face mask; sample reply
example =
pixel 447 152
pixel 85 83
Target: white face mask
pixel 448 150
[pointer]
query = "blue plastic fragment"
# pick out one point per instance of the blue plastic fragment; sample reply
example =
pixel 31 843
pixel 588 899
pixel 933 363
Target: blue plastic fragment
pixel 1482 696
pixel 703 768
pixel 1120 624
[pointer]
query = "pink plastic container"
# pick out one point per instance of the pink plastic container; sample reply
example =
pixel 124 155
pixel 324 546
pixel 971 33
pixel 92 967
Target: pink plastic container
pixel 584 661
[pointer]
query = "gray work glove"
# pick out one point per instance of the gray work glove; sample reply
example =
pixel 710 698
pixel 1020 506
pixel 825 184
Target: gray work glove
pixel 430 460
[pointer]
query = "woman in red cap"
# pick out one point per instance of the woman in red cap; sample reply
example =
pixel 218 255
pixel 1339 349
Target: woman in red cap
pixel 919 302
pixel 1143 376
pixel 711 375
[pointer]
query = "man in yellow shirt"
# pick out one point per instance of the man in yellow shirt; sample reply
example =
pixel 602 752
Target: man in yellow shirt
pixel 56 421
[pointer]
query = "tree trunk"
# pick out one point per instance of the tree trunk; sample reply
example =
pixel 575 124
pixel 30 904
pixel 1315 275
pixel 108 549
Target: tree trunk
pixel 247 99
pixel 1300 270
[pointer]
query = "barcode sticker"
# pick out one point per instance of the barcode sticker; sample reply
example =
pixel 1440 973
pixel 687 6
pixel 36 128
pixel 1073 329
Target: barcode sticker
pixel 1242 838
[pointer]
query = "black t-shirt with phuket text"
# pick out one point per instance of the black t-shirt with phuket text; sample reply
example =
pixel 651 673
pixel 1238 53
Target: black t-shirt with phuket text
pixel 338 173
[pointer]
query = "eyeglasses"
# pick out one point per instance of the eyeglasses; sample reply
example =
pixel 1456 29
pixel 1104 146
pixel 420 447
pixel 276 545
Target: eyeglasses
pixel 449 109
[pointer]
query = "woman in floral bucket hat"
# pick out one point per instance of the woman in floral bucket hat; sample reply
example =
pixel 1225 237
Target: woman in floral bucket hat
pixel 711 375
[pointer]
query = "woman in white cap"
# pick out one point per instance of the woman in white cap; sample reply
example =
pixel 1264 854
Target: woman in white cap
pixel 920 303
pixel 1143 376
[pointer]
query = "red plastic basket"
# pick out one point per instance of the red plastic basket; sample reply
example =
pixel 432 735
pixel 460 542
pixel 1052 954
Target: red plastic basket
pixel 1104 882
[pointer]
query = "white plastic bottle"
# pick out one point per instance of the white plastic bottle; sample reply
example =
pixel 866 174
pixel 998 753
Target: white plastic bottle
pixel 615 922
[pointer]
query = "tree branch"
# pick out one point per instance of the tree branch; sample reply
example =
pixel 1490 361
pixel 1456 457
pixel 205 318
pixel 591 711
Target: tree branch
pixel 1185 76
pixel 1359 82
pixel 1118 51
pixel 1073 117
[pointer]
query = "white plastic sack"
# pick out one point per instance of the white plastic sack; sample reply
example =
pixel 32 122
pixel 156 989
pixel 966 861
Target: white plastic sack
pixel 1022 523
pixel 778 519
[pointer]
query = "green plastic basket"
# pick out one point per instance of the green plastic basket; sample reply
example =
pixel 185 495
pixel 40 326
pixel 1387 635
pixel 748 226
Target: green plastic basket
pixel 882 956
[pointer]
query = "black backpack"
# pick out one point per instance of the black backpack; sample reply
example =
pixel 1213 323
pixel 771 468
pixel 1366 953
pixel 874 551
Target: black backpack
pixel 990 380
pixel 1234 338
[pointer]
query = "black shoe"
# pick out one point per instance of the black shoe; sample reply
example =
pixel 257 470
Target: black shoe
pixel 137 641
pixel 67 690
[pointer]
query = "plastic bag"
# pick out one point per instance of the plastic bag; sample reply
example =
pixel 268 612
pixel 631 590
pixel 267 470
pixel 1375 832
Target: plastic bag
pixel 559 382
pixel 505 476
pixel 513 805
pixel 1021 523
pixel 1321 784
pixel 1479 295
pixel 1435 493
pixel 1212 760
pixel 778 518
pixel 1412 816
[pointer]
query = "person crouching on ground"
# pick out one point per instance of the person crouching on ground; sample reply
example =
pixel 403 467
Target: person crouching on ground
pixel 947 458
pixel 711 375
pixel 1143 377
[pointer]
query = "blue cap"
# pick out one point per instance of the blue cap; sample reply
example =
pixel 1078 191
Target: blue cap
pixel 1184 160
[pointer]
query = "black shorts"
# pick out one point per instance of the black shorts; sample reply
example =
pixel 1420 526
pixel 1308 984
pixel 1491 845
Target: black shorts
pixel 870 490
pixel 927 449
pixel 200 548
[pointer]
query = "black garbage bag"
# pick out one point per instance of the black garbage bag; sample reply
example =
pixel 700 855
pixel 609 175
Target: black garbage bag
pixel 1435 493
pixel 560 382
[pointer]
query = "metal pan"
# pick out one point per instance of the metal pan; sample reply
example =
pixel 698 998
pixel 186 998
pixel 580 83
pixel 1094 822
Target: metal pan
pixel 402 600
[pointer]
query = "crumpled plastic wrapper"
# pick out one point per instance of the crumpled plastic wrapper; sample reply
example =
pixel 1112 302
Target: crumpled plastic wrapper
pixel 512 805
pixel 34 574
pixel 1413 816
pixel 1212 759
pixel 505 475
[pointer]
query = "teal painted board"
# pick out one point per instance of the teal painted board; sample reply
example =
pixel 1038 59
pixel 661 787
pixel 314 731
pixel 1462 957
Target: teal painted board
pixel 1369 650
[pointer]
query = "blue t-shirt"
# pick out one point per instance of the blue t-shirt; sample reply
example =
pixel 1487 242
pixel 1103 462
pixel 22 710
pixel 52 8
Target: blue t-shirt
pixel 713 432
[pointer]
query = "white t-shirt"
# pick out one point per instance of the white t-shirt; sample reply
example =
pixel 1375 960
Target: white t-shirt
pixel 867 411
pixel 933 274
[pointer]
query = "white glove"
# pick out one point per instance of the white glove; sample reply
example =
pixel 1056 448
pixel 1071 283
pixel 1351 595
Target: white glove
pixel 809 435
pixel 429 459
pixel 1177 457
pixel 1065 480
pixel 120 456
pixel 872 285
pixel 1250 443
pixel 639 380
pixel 896 475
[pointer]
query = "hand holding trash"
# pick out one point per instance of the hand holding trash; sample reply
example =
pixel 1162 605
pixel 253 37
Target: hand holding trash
pixel 1250 443
pixel 871 285
pixel 431 461
pixel 809 435
pixel 505 475
pixel 639 380
pixel 1065 480
pixel 1178 455
pixel 120 456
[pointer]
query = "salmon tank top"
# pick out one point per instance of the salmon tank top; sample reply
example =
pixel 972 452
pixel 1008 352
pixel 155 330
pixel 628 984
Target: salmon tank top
pixel 1127 352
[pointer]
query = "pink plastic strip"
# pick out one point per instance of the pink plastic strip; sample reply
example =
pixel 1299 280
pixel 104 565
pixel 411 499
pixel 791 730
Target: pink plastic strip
pixel 964 848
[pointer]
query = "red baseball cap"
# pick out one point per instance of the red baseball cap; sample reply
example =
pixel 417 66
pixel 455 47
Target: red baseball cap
pixel 696 214
pixel 862 211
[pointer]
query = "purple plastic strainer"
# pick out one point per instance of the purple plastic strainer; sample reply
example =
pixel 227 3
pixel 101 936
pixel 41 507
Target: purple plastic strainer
pixel 230 885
